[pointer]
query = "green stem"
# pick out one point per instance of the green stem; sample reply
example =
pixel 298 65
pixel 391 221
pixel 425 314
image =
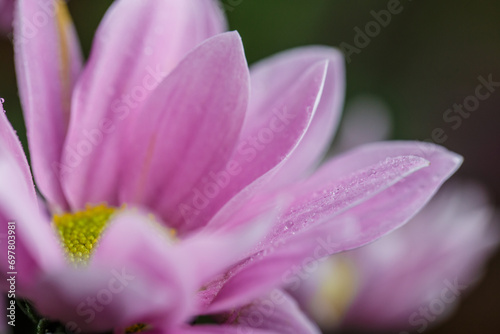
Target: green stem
pixel 42 326
pixel 25 306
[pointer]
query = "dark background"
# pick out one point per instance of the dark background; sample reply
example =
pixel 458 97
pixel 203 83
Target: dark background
pixel 428 58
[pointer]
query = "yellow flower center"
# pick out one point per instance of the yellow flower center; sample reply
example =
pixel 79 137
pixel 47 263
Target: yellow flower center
pixel 136 328
pixel 80 231
pixel 336 292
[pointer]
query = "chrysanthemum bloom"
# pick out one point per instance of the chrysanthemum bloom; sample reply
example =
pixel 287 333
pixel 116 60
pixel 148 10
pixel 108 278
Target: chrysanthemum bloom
pixel 165 123
pixel 6 13
pixel 419 271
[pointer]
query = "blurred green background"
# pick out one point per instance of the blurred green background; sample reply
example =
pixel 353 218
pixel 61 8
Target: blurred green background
pixel 427 59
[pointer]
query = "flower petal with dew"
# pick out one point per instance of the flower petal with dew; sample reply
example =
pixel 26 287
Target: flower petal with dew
pixel 180 183
pixel 348 212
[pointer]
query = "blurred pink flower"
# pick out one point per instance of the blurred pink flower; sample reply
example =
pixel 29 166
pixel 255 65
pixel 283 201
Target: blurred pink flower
pixel 162 119
pixel 443 248
pixel 6 14
pixel 421 270
pixel 418 272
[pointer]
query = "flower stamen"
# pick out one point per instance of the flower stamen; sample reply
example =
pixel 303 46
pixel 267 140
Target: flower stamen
pixel 138 328
pixel 80 231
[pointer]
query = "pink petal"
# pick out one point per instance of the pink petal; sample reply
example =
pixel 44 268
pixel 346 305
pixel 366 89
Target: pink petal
pixel 36 249
pixel 137 44
pixel 13 149
pixel 356 218
pixel 243 237
pixel 363 156
pixel 396 205
pixel 293 112
pixel 211 252
pixel 188 129
pixel 271 77
pixel 328 199
pixel 48 62
pixel 276 312
pixel 216 329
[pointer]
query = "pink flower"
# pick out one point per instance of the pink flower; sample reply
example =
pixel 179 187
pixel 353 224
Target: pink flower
pixel 419 271
pixel 161 119
pixel 6 13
